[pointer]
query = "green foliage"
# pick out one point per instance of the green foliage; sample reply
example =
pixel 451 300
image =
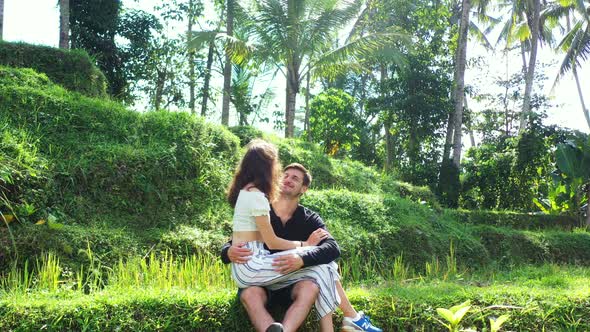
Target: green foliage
pixel 454 315
pixel 24 174
pixel 511 173
pixel 573 162
pixel 144 161
pixel 371 225
pixel 246 133
pixel 73 69
pixel 531 297
pixel 334 123
pixel 514 220
pixel 524 247
pixel 328 172
pixel 422 195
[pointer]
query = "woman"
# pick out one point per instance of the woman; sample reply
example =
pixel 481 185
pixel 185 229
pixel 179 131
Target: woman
pixel 255 183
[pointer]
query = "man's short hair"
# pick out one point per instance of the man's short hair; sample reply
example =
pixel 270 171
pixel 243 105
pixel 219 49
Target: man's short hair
pixel 299 167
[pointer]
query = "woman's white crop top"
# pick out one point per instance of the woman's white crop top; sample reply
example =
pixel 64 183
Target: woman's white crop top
pixel 250 204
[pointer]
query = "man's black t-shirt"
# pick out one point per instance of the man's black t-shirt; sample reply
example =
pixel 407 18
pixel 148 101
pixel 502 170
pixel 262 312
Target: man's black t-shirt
pixel 303 222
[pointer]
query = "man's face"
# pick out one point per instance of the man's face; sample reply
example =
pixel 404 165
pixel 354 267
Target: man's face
pixel 292 184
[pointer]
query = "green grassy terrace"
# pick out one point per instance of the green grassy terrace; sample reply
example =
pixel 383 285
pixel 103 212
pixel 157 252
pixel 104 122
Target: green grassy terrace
pixel 112 220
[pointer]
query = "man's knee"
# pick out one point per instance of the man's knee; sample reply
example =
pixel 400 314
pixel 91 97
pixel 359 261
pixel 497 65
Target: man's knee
pixel 253 296
pixel 305 288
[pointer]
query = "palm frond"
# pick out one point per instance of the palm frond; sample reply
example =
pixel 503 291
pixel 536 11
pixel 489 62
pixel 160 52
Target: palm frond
pixel 578 51
pixel 333 70
pixel 376 45
pixel 200 38
pixel 522 31
pixel 506 32
pixel 321 24
pixel 238 49
pixel 271 24
pixel 476 32
pixel 566 41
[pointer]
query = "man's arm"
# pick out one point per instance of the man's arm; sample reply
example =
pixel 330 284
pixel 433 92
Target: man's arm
pixel 235 253
pixel 224 256
pixel 327 250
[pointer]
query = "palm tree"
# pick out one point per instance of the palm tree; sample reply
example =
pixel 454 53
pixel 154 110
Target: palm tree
pixel 462 17
pixel 191 13
pixel 237 51
pixel 227 68
pixel 295 34
pixel 64 24
pixel 459 78
pixel 524 24
pixel 1 18
pixel 575 43
pixel 530 74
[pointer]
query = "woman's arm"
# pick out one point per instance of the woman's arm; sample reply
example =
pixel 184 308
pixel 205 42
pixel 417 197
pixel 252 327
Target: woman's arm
pixel 272 241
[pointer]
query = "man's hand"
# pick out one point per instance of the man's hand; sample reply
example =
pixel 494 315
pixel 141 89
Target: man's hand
pixel 287 263
pixel 238 254
pixel 316 237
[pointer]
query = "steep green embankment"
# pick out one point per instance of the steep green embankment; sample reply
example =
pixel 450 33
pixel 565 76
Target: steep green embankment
pixel 99 175
pixel 80 173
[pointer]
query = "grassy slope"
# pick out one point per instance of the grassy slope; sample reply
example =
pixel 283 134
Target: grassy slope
pixel 123 183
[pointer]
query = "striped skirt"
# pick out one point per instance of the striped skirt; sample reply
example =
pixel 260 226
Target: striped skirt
pixel 258 271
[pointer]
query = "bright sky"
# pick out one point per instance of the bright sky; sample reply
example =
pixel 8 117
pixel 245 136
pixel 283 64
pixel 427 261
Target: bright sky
pixel 37 22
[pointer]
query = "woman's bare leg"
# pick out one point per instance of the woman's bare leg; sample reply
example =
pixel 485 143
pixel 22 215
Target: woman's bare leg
pixel 345 305
pixel 326 324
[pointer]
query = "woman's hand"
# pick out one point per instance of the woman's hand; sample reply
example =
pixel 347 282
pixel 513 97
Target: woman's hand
pixel 316 237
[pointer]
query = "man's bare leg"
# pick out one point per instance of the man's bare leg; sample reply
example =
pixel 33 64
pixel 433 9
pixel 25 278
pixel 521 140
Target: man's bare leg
pixel 345 305
pixel 304 294
pixel 254 300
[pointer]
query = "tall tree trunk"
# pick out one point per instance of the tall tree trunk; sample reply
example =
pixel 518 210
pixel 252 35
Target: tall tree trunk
pixel 191 58
pixel 389 144
pixel 469 124
pixel 460 64
pixel 293 63
pixel 575 71
pixel 523 57
pixel 449 137
pixel 207 78
pixel 530 74
pixel 160 81
pixel 307 95
pixel 227 67
pixel 1 19
pixel 64 24
pixel 291 96
pixel 388 167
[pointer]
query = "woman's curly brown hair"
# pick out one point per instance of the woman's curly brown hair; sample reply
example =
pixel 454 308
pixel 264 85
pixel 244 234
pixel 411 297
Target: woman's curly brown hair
pixel 261 167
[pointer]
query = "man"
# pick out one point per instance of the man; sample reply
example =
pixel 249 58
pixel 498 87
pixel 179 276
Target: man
pixel 292 221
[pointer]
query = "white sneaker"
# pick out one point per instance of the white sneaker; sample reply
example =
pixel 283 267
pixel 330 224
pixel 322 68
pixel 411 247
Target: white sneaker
pixel 362 324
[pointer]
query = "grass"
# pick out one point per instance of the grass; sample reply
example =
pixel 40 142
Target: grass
pixel 532 297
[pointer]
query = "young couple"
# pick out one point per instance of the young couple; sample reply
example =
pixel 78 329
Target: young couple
pixel 283 252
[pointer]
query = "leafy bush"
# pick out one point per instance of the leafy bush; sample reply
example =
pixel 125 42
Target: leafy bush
pixel 327 172
pixel 514 219
pixel 419 194
pixel 24 175
pixel 246 133
pixel 385 227
pixel 507 246
pixel 72 69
